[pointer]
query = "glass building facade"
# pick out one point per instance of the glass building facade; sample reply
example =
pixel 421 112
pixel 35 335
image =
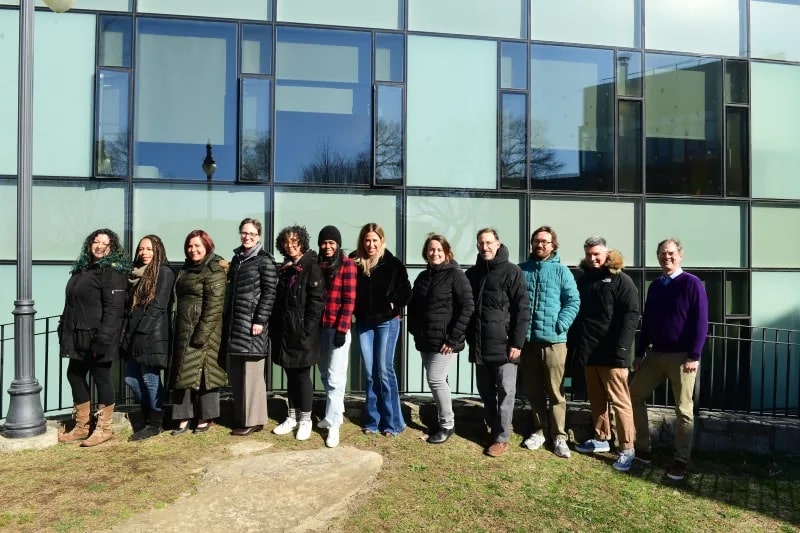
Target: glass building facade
pixel 633 119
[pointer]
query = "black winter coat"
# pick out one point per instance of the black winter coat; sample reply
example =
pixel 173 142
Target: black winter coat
pixel 603 331
pixel 94 308
pixel 147 329
pixel 502 309
pixel 382 295
pixel 441 307
pixel 252 283
pixel 300 300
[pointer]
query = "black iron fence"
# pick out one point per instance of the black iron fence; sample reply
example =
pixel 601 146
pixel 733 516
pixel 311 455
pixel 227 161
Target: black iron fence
pixel 744 369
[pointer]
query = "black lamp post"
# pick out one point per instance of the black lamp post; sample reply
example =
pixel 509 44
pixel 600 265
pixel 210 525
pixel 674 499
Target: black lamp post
pixel 25 416
pixel 209 165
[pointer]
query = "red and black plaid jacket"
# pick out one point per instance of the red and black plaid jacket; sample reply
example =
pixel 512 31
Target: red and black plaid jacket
pixel 340 299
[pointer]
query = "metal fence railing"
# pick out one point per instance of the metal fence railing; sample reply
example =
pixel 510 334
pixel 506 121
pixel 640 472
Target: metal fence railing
pixel 744 369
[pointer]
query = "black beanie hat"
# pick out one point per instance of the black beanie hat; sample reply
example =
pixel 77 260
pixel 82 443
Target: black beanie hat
pixel 330 233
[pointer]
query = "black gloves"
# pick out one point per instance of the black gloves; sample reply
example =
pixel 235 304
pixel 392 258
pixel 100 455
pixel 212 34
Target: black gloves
pixel 339 338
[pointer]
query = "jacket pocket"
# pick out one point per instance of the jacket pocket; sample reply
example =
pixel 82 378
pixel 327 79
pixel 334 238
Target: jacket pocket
pixel 83 339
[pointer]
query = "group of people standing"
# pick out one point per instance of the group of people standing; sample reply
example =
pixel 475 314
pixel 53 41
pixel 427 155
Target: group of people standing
pixel 538 315
pixel 230 317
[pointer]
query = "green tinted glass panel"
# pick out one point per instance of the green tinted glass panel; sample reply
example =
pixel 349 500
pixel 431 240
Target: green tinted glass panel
pixel 602 22
pixel 384 14
pixel 737 90
pixel 709 27
pixel 499 18
pixel 774 26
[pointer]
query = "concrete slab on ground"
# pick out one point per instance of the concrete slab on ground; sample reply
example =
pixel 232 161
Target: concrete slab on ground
pixel 287 491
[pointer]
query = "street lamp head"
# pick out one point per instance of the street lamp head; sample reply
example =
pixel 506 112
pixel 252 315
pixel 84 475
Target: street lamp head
pixel 59 6
pixel 209 165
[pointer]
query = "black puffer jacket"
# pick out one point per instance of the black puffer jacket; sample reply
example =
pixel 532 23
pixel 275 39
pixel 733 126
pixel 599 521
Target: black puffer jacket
pixel 147 332
pixel 606 323
pixel 252 283
pixel 300 300
pixel 502 309
pixel 382 295
pixel 440 308
pixel 94 309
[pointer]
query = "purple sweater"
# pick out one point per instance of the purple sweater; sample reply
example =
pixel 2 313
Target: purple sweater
pixel 675 317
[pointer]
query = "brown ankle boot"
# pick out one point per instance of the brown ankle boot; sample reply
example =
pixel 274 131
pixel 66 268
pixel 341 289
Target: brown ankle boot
pixel 81 429
pixel 102 429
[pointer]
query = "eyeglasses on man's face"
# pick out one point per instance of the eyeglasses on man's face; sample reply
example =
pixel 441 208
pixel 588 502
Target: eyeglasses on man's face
pixel 250 234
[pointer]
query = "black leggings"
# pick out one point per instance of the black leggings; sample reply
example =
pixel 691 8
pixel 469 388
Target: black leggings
pixel 101 373
pixel 299 389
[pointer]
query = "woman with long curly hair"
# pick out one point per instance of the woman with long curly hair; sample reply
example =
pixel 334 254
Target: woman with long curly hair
pixel 89 331
pixel 294 327
pixel 146 341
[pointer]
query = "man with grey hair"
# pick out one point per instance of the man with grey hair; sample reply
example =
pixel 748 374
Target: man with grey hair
pixel 601 338
pixel 673 333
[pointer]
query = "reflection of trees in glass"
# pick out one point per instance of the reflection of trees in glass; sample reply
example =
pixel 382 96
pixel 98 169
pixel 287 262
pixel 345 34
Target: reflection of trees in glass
pixel 111 155
pixel 388 150
pixel 514 148
pixel 332 167
pixel 544 162
pixel 256 160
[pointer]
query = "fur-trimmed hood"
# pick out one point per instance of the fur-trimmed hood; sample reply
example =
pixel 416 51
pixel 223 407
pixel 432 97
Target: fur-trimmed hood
pixel 614 263
pixel 116 261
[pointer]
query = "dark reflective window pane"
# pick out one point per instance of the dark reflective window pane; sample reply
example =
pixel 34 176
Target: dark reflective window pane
pixel 513 141
pixel 738 152
pixel 115 41
pixel 112 136
pixel 737 293
pixel 683 119
pixel 736 82
pixel 323 101
pixel 513 66
pixel 629 166
pixel 256 49
pixel 389 57
pixel 389 136
pixel 572 118
pixel 186 92
pixel 629 73
pixel 256 140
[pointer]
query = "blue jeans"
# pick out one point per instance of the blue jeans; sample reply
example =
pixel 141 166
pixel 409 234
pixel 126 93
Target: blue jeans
pixel 145 383
pixel 333 371
pixel 378 341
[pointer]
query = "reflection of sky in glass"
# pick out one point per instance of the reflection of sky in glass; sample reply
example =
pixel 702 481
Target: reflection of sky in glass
pixel 323 104
pixel 389 135
pixel 513 66
pixel 256 141
pixel 112 123
pixel 186 92
pixel 115 41
pixel 389 57
pixel 571 112
pixel 257 49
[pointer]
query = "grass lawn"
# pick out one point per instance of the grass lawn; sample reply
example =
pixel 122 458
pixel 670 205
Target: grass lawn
pixel 421 487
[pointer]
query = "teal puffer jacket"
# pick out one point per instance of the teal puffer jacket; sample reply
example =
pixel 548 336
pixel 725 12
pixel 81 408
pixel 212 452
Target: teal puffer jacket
pixel 554 299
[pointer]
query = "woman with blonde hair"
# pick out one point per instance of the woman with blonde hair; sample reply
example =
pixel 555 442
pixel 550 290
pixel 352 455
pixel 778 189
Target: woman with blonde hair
pixel 382 290
pixel 146 340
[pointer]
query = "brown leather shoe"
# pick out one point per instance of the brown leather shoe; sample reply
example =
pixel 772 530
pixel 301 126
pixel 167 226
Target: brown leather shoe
pixel 496 449
pixel 245 431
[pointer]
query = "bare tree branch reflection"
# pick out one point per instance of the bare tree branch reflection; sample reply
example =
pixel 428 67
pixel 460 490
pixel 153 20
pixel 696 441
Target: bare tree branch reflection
pixel 388 151
pixel 256 160
pixel 331 167
pixel 111 155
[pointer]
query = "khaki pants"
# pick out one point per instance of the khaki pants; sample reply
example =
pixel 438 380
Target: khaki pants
pixel 655 368
pixel 604 384
pixel 246 376
pixel 542 367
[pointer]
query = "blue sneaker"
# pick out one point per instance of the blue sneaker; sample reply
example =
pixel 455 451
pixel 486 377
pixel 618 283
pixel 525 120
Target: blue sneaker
pixel 593 446
pixel 625 460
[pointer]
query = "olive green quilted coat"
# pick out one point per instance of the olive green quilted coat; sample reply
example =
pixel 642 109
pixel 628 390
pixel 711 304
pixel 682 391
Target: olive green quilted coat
pixel 199 302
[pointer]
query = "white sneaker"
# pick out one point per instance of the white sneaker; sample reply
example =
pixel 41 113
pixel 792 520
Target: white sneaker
pixel 303 430
pixel 561 449
pixel 323 424
pixel 534 442
pixel 285 427
pixel 332 441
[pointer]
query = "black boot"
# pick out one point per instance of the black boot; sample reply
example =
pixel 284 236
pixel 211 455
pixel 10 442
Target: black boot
pixel 152 428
